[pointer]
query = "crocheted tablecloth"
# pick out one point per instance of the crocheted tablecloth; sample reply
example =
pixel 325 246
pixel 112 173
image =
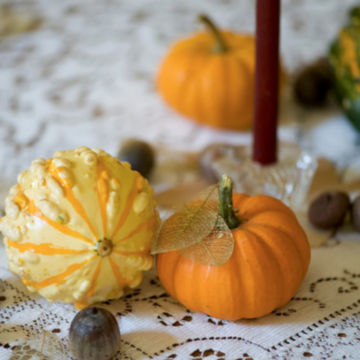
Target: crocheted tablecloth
pixel 85 76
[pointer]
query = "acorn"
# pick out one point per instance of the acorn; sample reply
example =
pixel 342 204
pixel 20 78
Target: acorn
pixel 139 154
pixel 313 83
pixel 355 213
pixel 329 210
pixel 94 335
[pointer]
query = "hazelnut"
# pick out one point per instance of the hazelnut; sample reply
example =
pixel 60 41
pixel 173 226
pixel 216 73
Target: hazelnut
pixel 312 84
pixel 329 209
pixel 139 154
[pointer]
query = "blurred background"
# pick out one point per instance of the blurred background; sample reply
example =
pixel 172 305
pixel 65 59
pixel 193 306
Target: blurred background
pixel 78 73
pixel 83 72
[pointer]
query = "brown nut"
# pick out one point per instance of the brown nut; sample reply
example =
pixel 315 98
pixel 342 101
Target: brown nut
pixel 355 213
pixel 312 84
pixel 328 211
pixel 94 335
pixel 139 154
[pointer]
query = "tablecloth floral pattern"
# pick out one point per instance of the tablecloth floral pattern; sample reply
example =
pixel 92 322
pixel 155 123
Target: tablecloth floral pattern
pixel 321 322
pixel 86 76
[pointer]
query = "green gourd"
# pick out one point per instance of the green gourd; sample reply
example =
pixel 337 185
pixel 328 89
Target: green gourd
pixel 344 57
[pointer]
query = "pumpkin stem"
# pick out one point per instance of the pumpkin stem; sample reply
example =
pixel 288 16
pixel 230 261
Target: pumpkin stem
pixel 220 44
pixel 226 203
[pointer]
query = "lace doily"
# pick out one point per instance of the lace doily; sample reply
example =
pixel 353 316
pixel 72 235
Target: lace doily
pixel 321 322
pixel 87 77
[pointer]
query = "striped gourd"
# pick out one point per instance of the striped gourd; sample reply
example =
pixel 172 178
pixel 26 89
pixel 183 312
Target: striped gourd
pixel 79 226
pixel 344 58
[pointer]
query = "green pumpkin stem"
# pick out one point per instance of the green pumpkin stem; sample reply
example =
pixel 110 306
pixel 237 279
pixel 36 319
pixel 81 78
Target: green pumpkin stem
pixel 220 44
pixel 226 203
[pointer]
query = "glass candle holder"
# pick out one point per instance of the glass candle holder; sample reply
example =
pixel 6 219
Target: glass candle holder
pixel 287 180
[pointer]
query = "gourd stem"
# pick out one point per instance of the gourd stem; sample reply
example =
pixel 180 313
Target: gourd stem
pixel 220 44
pixel 226 203
pixel 104 247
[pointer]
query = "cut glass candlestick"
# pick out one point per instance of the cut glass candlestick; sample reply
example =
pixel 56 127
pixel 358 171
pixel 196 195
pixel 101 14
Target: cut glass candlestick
pixel 288 180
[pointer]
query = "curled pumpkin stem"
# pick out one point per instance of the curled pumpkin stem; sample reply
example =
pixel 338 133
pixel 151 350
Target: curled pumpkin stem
pixel 226 203
pixel 220 44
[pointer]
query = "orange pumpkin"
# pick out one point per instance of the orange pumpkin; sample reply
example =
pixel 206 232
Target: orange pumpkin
pixel 270 259
pixel 209 77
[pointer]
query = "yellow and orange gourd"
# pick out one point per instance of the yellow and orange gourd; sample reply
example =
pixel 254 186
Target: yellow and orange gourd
pixel 270 259
pixel 78 227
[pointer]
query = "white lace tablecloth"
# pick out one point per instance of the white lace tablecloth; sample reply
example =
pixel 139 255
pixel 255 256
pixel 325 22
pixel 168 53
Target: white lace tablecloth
pixel 86 77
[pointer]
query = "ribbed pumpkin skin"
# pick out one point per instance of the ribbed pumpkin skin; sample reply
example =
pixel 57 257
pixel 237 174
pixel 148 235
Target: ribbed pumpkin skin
pixel 213 89
pixel 270 259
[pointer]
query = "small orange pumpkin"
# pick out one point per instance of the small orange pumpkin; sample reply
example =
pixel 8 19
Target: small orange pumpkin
pixel 270 259
pixel 210 78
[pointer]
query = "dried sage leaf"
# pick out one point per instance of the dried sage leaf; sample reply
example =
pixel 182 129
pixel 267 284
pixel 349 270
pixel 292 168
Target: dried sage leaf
pixel 189 224
pixel 214 250
pixel 197 231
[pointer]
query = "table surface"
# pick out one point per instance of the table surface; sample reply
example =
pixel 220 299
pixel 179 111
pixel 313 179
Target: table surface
pixel 86 77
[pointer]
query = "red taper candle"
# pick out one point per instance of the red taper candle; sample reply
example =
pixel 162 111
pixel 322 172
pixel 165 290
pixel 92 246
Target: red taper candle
pixel 266 81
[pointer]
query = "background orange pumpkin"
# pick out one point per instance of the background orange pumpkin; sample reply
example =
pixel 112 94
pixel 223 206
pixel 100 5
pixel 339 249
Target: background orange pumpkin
pixel 209 77
pixel 270 259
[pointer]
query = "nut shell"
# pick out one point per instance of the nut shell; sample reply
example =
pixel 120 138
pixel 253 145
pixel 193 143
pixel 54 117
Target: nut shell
pixel 139 154
pixel 94 335
pixel 328 211
pixel 312 84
